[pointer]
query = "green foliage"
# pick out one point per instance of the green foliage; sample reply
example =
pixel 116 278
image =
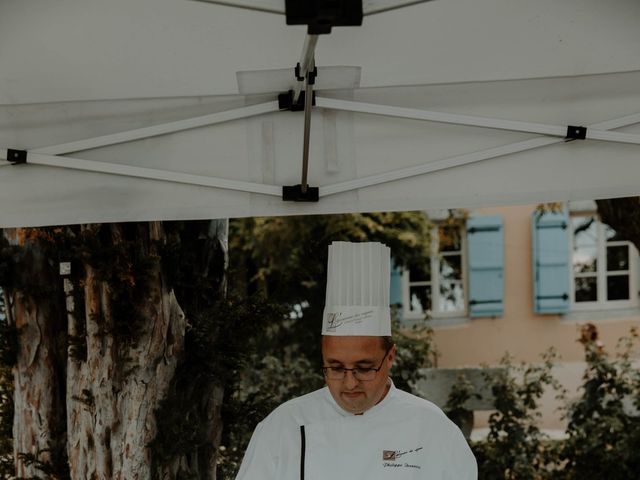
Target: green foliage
pixel 461 392
pixel 515 448
pixel 15 276
pixel 52 468
pixel 265 384
pixel 193 261
pixel 124 257
pixel 121 255
pixel 9 257
pixel 603 433
pixel 623 215
pixel 220 344
pixel 216 356
pixel 285 257
pixel 604 426
pixel 416 351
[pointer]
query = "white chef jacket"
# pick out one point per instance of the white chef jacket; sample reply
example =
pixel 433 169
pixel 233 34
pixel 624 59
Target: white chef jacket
pixel 403 437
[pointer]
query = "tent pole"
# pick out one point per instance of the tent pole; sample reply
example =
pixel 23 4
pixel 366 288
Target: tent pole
pixel 618 122
pixel 618 137
pixel 161 129
pixel 306 64
pixel 151 174
pixel 308 105
pixel 472 121
pixel 465 159
pixel 440 117
pixel 437 165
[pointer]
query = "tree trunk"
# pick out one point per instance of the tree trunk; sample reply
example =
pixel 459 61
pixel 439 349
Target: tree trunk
pixel 37 313
pixel 112 394
pixel 190 416
pixel 101 351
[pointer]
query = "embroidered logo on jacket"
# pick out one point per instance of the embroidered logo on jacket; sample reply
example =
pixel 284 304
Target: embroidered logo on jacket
pixel 388 455
pixel 390 458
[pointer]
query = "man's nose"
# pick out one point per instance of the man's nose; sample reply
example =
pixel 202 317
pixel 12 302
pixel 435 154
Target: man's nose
pixel 350 380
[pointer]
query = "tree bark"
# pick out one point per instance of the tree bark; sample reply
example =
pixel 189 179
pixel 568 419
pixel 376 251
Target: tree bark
pixel 101 350
pixel 112 395
pixel 38 315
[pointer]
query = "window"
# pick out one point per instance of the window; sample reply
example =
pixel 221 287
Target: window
pixel 436 286
pixel 603 266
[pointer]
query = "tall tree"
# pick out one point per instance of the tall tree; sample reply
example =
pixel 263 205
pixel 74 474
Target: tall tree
pixel 623 215
pixel 100 351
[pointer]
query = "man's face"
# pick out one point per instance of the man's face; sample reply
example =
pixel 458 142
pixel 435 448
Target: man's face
pixel 357 352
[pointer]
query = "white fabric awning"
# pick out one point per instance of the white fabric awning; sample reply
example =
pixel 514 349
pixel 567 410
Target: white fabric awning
pixel 459 143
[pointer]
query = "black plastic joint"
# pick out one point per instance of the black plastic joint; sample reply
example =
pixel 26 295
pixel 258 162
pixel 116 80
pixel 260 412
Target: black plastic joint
pixel 576 133
pixel 294 193
pixel 285 101
pixel 321 15
pixel 312 76
pixel 16 157
pixel 318 29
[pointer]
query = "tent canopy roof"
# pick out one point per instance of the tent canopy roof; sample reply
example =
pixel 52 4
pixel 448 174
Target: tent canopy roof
pixel 70 50
pixel 175 69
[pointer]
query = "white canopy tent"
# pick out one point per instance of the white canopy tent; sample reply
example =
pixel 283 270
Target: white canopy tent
pixel 159 109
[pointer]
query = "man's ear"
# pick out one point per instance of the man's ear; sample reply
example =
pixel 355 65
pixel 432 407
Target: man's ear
pixel 392 354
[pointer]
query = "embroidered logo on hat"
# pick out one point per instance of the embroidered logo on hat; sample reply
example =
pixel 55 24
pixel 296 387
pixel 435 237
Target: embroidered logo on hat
pixel 357 301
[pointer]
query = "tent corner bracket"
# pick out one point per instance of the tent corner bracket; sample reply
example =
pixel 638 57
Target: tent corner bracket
pixel 286 101
pixel 295 193
pixel 576 133
pixel 16 157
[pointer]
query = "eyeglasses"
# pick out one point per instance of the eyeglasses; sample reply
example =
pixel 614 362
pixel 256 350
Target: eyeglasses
pixel 362 374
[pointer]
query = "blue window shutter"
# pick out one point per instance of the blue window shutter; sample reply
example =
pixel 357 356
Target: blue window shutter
pixel 550 262
pixel 485 245
pixel 395 294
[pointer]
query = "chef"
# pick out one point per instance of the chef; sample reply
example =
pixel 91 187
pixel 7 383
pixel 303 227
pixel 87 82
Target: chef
pixel 359 426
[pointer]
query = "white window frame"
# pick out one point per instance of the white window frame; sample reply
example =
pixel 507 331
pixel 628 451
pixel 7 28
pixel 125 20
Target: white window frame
pixel 602 303
pixel 435 280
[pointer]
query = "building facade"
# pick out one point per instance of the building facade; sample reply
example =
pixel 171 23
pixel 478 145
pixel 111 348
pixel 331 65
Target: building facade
pixel 517 280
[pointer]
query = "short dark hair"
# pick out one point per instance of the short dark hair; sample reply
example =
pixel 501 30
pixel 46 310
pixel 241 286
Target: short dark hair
pixel 387 343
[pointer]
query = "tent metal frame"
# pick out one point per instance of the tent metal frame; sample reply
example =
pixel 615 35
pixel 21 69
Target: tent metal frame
pixel 55 155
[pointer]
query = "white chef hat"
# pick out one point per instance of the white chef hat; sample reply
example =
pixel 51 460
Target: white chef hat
pixel 357 301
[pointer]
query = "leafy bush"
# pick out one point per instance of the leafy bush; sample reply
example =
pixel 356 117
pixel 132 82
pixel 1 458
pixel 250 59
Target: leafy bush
pixel 515 448
pixel 603 432
pixel 461 392
pixel 604 423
